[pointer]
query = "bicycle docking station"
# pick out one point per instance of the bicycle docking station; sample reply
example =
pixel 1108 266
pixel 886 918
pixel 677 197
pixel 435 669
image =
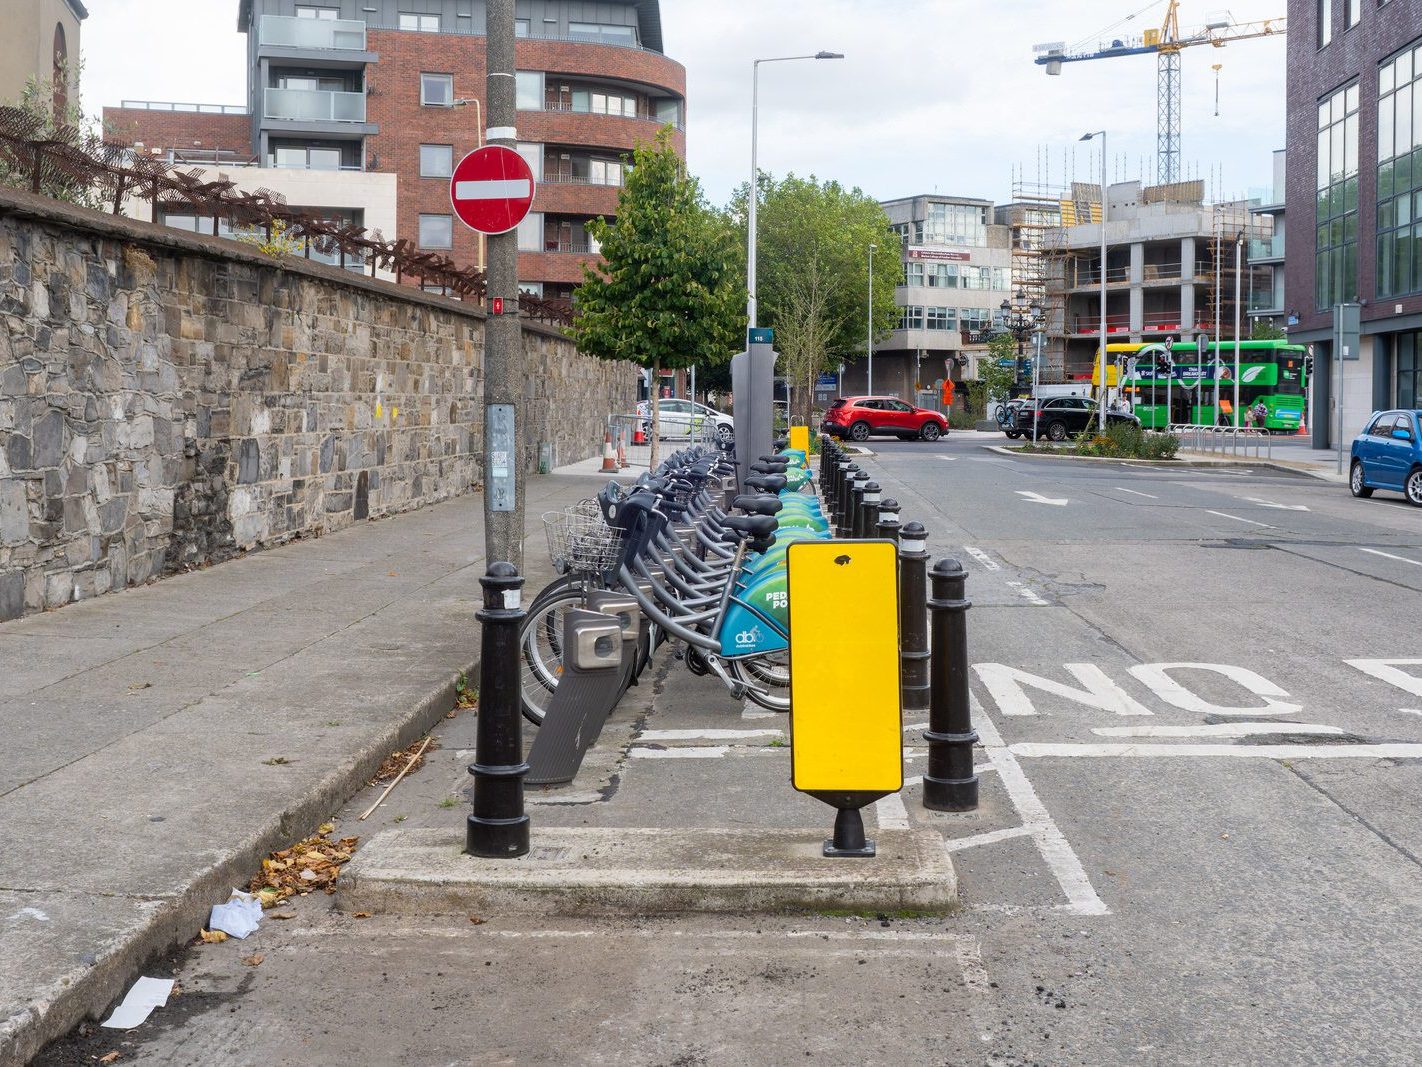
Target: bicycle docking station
pixel 846 719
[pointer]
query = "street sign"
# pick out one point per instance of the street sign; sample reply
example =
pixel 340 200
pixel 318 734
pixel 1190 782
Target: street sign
pixel 492 189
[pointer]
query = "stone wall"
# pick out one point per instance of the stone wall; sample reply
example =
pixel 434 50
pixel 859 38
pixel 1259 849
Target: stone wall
pixel 169 400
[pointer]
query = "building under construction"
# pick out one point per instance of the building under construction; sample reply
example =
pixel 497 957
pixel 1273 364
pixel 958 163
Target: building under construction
pixel 1175 266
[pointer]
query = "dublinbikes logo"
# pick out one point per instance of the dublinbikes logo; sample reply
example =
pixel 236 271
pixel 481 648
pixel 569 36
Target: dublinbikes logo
pixel 749 638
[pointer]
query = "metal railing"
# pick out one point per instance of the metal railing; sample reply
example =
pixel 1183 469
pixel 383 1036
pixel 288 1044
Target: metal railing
pixel 573 179
pixel 313 105
pixel 1221 440
pixel 640 116
pixel 288 32
pixel 167 105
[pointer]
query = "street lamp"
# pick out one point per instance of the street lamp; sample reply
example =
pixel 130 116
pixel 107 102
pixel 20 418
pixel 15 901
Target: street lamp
pixel 869 347
pixel 1022 318
pixel 1101 360
pixel 755 171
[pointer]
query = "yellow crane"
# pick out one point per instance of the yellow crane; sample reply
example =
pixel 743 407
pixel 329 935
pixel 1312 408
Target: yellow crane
pixel 1166 43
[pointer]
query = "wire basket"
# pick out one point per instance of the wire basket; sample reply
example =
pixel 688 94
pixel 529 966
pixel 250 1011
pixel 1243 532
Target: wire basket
pixel 579 539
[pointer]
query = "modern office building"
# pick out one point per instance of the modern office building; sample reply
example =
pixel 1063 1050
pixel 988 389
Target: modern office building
pixel 1170 270
pixel 1355 176
pixel 1266 251
pixel 40 42
pixel 957 268
pixel 397 87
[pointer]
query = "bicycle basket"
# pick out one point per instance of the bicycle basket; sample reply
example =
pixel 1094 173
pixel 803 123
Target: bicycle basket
pixel 579 539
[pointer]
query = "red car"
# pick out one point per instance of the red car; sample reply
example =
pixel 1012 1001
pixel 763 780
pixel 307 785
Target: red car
pixel 858 417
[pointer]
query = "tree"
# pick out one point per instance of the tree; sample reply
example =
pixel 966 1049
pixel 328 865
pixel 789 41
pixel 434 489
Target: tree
pixel 994 381
pixel 812 275
pixel 1266 330
pixel 49 118
pixel 666 294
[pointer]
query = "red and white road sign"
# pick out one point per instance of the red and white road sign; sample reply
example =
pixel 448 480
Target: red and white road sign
pixel 492 189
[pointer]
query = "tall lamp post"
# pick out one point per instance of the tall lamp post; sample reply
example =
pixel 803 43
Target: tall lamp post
pixel 755 171
pixel 1101 358
pixel 1023 318
pixel 869 345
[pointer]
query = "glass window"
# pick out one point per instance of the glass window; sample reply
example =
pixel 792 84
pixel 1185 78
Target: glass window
pixel 436 231
pixel 304 12
pixel 1399 185
pixel 521 29
pixel 421 23
pixel 533 156
pixel 911 318
pixel 939 318
pixel 913 273
pixel 437 90
pixel 530 232
pixel 529 91
pixel 1336 261
pixel 436 160
pixel 1353 11
pixel 1323 12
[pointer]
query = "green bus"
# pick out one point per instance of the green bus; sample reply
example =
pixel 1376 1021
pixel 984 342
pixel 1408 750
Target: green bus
pixel 1273 372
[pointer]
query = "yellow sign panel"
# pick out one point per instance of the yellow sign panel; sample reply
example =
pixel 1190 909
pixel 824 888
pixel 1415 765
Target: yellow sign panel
pixel 1112 374
pixel 800 438
pixel 846 728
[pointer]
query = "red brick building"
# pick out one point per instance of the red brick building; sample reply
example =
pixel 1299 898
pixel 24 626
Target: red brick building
pixel 397 86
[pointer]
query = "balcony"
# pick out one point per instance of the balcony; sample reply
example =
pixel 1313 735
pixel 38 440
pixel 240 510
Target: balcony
pixel 201 109
pixel 314 105
pixel 1266 248
pixel 641 114
pixel 313 34
pixel 1266 302
pixel 1151 322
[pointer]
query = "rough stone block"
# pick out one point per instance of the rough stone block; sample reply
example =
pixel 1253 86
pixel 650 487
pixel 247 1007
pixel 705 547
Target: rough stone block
pixel 12 595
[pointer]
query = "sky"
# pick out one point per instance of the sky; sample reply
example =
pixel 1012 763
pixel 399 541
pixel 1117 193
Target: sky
pixel 932 95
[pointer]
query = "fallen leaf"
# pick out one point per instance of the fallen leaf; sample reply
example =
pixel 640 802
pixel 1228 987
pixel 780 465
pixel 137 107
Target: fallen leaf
pixel 362 915
pixel 398 761
pixel 254 960
pixel 214 937
pixel 110 1058
pixel 477 921
pixel 325 828
pixel 141 685
pixel 313 863
pixel 276 761
pixel 281 915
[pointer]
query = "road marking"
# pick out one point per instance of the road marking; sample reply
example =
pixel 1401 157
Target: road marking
pixel 1032 597
pixel 891 813
pixel 1271 504
pixel 916 726
pixel 1051 843
pixel 1038 498
pixel 1034 750
pixel 1389 555
pixel 1236 518
pixel 1006 684
pixel 1134 493
pixel 1158 678
pixel 751 710
pixel 1385 670
pixel 1216 729
pixel 706 752
pixel 992 837
pixel 1410 711
pixel 706 735
pixel 982 557
pixel 949 459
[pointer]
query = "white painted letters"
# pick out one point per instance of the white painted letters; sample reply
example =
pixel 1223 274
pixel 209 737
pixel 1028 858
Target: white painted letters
pixel 1158 678
pixel 1006 686
pixel 1386 670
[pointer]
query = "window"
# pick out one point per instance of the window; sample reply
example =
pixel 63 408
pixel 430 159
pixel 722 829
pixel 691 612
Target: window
pixel 306 157
pixel 1399 225
pixel 1353 11
pixel 530 232
pixel 911 318
pixel 604 172
pixel 1336 263
pixel 529 91
pixel 531 289
pixel 943 275
pixel 1323 11
pixel 1409 370
pixel 437 90
pixel 521 27
pixel 436 231
pixel 597 31
pixel 303 12
pixel 421 23
pixel 532 155
pixel 955 224
pixel 669 112
pixel 913 273
pixel 59 79
pixel 1384 425
pixel 940 318
pixel 436 160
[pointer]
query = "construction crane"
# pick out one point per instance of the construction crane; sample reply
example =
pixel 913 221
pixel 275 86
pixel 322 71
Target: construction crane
pixel 1166 43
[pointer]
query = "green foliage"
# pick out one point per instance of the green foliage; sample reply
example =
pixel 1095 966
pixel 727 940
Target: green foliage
pixel 1127 441
pixel 994 382
pixel 37 102
pixel 276 244
pixel 963 420
pixel 667 293
pixel 813 274
pixel 1267 330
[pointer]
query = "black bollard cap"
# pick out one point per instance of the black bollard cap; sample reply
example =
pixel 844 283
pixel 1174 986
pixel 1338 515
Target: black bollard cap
pixel 947 567
pixel 889 505
pixel 913 538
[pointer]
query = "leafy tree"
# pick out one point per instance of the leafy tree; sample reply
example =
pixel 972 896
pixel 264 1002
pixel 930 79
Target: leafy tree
pixel 64 124
pixel 813 274
pixel 1266 330
pixel 667 294
pixel 994 382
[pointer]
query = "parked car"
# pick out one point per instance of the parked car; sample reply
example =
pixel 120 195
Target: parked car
pixel 1061 417
pixel 1388 455
pixel 678 418
pixel 860 417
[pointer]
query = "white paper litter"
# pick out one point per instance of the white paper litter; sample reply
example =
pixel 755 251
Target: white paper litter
pixel 239 917
pixel 146 994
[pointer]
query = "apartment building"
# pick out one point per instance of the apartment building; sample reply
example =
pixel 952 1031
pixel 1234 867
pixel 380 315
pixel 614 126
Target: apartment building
pixel 1266 251
pixel 397 87
pixel 1355 175
pixel 957 270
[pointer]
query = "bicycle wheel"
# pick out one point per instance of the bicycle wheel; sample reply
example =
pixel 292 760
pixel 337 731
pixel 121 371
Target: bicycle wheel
pixel 540 639
pixel 758 690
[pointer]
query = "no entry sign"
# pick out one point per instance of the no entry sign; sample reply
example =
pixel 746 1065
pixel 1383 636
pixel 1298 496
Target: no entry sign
pixel 492 189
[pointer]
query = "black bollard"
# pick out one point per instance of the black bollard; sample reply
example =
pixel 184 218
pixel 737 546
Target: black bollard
pixel 949 784
pixel 888 525
pixel 913 616
pixel 498 827
pixel 852 502
pixel 846 477
pixel 868 512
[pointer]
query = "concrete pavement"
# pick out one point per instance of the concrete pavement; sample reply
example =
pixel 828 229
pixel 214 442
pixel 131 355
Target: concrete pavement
pixel 159 742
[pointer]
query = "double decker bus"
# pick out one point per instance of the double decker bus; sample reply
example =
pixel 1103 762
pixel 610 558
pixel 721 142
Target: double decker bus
pixel 1274 372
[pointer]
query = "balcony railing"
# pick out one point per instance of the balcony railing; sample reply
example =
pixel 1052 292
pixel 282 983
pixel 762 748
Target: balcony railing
pixel 167 105
pixel 579 247
pixel 314 105
pixel 582 38
pixel 1267 300
pixel 570 179
pixel 1160 272
pixel 1267 248
pixel 1151 322
pixel 640 116
pixel 321 34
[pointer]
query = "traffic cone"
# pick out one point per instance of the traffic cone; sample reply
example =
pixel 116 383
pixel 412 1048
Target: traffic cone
pixel 621 449
pixel 638 437
pixel 609 458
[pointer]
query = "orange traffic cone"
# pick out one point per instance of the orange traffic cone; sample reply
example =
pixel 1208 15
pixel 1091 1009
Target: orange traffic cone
pixel 609 458
pixel 621 449
pixel 638 437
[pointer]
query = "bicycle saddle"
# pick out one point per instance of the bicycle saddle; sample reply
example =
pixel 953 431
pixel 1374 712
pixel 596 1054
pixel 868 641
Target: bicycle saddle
pixel 769 468
pixel 757 527
pixel 757 504
pixel 770 483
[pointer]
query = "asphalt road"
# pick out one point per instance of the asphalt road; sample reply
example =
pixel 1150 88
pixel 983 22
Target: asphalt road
pixel 1199 840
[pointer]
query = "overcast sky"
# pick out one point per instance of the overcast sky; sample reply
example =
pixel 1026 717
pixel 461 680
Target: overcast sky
pixel 933 95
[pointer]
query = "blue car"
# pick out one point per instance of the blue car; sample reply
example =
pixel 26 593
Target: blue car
pixel 1388 455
